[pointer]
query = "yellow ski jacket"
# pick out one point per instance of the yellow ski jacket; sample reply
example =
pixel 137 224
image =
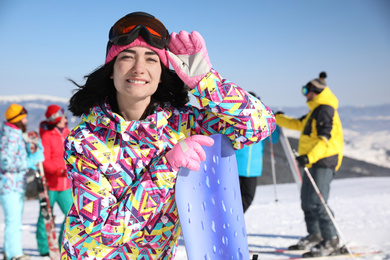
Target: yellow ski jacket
pixel 321 131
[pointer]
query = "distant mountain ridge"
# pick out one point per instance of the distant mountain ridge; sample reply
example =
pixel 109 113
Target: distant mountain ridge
pixel 363 119
pixel 366 131
pixel 359 118
pixel 366 128
pixel 21 98
pixel 36 106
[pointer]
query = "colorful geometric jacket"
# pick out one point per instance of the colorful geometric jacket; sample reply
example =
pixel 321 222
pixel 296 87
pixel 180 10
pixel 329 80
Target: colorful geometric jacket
pixel 15 160
pixel 123 187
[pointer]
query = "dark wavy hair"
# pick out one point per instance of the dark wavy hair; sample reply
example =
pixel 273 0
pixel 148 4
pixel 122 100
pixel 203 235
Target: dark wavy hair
pixel 99 87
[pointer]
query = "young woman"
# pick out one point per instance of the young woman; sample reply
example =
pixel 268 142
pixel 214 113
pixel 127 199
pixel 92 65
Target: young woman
pixel 53 132
pixel 137 130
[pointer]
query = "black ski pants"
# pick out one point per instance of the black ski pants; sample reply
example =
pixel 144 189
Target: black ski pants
pixel 248 188
pixel 316 217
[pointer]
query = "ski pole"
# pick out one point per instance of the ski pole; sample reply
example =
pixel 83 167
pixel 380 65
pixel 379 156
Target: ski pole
pixel 271 146
pixel 290 158
pixel 328 210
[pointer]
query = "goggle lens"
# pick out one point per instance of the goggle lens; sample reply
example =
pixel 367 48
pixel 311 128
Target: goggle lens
pixel 305 90
pixel 53 117
pixel 128 28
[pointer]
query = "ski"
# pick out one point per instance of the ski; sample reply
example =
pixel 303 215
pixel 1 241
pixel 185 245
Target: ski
pixel 278 251
pixel 290 158
pixel 47 214
pixel 342 256
pixel 44 203
pixel 295 252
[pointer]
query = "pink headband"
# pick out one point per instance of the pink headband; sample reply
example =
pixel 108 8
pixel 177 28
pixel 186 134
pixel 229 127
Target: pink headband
pixel 116 49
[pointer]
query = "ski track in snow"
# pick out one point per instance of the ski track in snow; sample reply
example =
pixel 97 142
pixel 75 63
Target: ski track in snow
pixel 361 207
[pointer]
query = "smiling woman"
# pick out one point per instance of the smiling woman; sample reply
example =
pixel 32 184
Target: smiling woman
pixel 136 77
pixel 137 130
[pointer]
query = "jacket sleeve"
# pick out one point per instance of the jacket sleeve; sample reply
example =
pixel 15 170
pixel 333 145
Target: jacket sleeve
pixel 228 109
pixel 108 218
pixel 289 122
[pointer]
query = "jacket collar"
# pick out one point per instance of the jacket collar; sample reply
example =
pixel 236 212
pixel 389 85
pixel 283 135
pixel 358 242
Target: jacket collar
pixel 152 126
pixel 326 97
pixel 12 126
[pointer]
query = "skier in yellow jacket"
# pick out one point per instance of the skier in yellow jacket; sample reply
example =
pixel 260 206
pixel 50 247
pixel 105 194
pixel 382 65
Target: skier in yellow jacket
pixel 320 149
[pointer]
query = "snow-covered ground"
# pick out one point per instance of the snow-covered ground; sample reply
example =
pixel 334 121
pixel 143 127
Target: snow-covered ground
pixel 361 206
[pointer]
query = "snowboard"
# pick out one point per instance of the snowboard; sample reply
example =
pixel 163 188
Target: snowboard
pixel 290 158
pixel 210 207
pixel 44 203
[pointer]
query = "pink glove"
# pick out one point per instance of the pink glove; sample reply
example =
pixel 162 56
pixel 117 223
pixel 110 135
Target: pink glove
pixel 189 152
pixel 188 56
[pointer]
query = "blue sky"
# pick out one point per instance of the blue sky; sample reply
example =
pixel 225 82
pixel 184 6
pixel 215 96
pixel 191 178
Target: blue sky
pixel 269 47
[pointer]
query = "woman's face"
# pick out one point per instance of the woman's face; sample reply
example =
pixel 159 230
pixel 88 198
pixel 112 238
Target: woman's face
pixel 62 123
pixel 137 73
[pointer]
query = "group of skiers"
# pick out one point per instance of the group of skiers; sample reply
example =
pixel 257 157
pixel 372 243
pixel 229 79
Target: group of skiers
pixel 18 155
pixel 137 129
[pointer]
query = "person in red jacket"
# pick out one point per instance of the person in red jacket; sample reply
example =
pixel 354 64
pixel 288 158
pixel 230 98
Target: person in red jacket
pixel 53 132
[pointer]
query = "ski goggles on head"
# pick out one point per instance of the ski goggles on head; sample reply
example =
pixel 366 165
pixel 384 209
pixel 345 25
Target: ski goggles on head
pixel 56 115
pixel 128 28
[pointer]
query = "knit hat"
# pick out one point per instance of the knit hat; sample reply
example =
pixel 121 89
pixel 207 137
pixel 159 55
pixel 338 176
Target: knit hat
pixel 53 114
pixel 116 49
pixel 316 85
pixel 15 113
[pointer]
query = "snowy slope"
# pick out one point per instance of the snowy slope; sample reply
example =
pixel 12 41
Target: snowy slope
pixel 361 206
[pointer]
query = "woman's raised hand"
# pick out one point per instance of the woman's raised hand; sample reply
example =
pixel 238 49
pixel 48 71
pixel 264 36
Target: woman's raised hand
pixel 188 57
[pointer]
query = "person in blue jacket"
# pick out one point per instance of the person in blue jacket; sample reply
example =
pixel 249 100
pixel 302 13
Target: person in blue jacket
pixel 16 158
pixel 250 166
